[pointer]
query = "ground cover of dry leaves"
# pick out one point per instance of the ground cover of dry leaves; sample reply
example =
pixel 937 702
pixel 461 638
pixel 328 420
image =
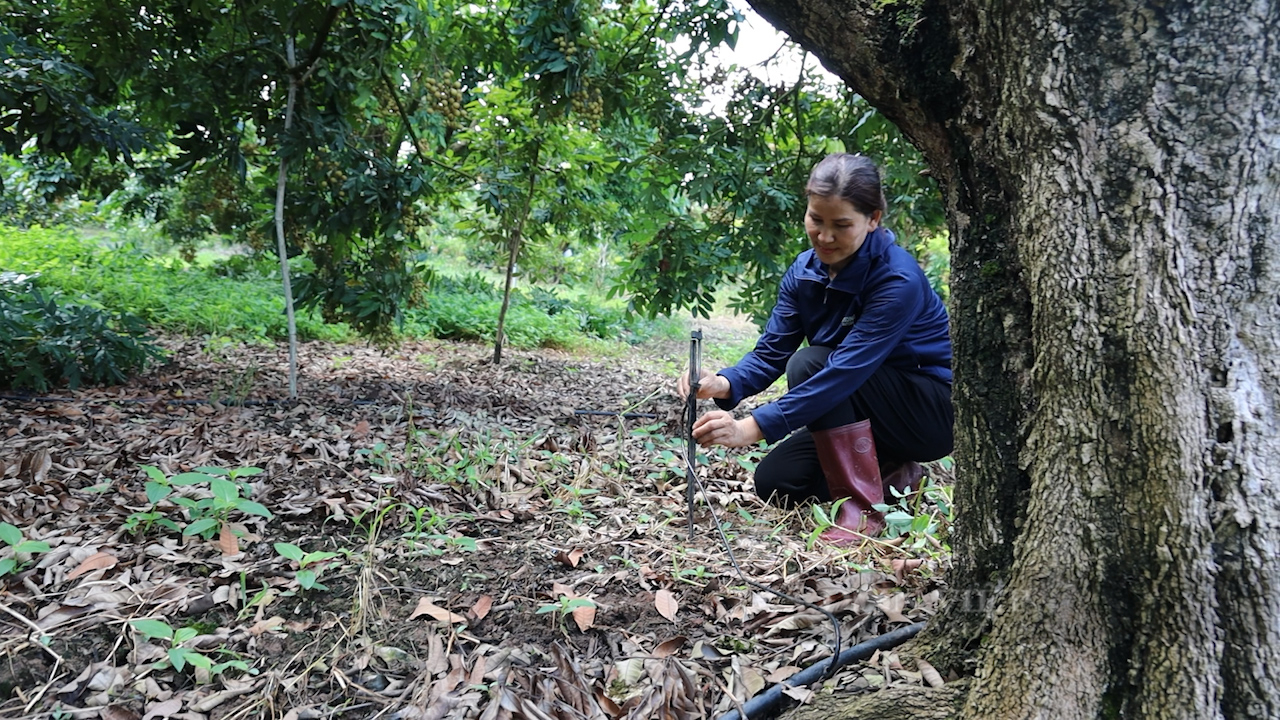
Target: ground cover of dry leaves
pixel 472 512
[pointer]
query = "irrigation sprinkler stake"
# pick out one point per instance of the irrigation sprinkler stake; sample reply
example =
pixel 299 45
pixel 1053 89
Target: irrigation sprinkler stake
pixel 691 414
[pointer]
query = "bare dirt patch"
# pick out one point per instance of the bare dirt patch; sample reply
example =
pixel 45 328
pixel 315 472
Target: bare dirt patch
pixel 472 513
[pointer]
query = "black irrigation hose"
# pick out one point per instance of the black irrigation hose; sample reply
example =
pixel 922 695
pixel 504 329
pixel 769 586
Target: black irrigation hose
pixel 767 702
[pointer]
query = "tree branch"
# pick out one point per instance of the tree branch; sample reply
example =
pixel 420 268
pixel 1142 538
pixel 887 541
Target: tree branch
pixel 889 58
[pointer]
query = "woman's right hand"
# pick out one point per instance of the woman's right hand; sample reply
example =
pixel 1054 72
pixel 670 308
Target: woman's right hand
pixel 709 386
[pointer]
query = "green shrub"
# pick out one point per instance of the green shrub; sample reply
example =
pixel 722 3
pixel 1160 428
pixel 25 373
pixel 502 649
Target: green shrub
pixel 234 299
pixel 45 340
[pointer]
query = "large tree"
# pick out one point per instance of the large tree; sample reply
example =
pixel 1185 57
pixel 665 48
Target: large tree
pixel 1109 171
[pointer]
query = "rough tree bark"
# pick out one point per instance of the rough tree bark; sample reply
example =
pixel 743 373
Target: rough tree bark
pixel 1111 172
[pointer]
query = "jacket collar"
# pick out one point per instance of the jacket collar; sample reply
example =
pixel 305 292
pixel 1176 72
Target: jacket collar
pixel 853 275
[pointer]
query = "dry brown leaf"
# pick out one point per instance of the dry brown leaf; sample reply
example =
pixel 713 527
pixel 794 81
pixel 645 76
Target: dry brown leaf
pixel 426 607
pixel 752 681
pixel 670 646
pixel 227 541
pixel 268 625
pixel 904 566
pixel 584 616
pixel 666 604
pixel 116 712
pixel 782 673
pixel 930 674
pixel 801 695
pixel 570 558
pixel 893 606
pixel 362 429
pixel 558 589
pixel 96 561
pixel 482 607
pixel 796 621
pixel 165 709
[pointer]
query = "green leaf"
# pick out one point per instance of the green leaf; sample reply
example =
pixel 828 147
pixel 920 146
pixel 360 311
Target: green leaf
pixel 153 628
pixel 252 508
pixel 246 471
pixel 306 578
pixel 184 634
pixel 898 516
pixel 579 602
pixel 190 478
pixel 178 657
pixel 7 566
pixel 198 660
pixel 185 502
pixel 315 557
pixel 547 609
pixel 201 526
pixel 289 550
pixel 207 470
pixel 32 546
pixel 154 473
pixel 10 534
pixel 820 517
pixel 224 491
pixel 157 492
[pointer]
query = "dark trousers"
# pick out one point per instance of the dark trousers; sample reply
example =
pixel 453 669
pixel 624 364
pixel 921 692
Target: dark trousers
pixel 911 418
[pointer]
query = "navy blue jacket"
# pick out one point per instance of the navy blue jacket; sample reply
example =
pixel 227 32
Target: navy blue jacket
pixel 878 310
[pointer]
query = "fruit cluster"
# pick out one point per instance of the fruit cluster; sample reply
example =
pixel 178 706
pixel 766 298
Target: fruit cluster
pixel 445 95
pixel 588 105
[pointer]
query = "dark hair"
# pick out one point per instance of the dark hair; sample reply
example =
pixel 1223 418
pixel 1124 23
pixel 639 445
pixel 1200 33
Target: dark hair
pixel 849 177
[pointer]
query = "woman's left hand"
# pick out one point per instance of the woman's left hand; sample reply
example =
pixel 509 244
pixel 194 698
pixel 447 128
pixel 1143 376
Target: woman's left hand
pixel 720 428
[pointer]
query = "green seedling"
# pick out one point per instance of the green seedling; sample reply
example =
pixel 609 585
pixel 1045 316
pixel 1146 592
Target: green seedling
pixel 308 576
pixel 209 514
pixel 919 515
pixel 380 457
pixel 694 576
pixel 821 522
pixel 563 608
pixel 158 488
pixel 179 657
pixel 22 549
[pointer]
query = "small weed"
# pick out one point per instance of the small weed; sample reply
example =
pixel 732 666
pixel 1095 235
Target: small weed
pixel 179 657
pixel 922 516
pixel 22 549
pixel 563 608
pixel 310 564
pixel 380 457
pixel 208 515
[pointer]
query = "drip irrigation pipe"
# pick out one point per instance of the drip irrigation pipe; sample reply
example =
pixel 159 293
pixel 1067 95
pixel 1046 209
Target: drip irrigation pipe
pixel 149 401
pixel 249 403
pixel 767 702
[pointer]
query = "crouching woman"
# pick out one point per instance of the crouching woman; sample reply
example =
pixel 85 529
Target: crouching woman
pixel 869 397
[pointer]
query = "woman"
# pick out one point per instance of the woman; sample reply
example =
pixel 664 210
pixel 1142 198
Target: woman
pixel 870 397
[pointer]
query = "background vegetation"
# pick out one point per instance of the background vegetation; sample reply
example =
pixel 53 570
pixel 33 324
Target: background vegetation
pixel 530 172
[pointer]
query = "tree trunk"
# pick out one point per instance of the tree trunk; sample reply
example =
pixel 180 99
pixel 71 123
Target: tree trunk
pixel 513 252
pixel 280 243
pixel 1109 172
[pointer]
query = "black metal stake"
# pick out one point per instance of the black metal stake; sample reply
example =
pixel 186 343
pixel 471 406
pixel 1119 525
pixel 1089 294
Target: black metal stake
pixel 691 414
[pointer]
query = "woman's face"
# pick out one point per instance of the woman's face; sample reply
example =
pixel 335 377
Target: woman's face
pixel 836 230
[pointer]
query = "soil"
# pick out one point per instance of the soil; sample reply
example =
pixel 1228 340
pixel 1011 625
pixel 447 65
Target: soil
pixel 496 553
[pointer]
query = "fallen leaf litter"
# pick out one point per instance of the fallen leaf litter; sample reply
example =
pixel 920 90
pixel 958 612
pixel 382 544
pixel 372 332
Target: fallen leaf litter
pixel 461 498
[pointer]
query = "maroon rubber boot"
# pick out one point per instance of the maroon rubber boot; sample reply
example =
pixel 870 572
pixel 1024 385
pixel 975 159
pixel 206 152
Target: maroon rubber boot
pixel 848 458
